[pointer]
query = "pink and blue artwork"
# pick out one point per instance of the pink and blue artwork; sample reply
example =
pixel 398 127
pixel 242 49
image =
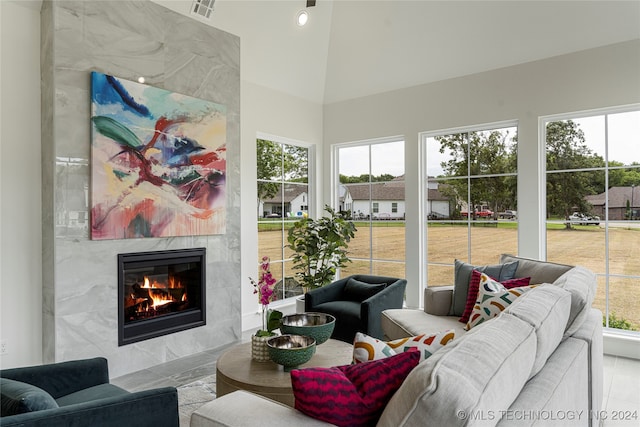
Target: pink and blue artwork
pixel 158 162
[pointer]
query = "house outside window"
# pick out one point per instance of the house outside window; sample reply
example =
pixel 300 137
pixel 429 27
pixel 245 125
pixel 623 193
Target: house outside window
pixel 370 182
pixel 469 197
pixel 592 203
pixel 283 196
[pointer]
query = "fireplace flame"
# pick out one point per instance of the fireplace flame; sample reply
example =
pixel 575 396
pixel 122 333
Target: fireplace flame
pixel 159 294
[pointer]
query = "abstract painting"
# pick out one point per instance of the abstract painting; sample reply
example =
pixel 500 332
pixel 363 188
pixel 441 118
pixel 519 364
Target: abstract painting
pixel 158 162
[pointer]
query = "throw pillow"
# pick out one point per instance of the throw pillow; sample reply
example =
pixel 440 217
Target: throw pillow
pixel 462 276
pixel 355 290
pixel 493 297
pixel 351 395
pixel 18 397
pixel 474 284
pixel 366 348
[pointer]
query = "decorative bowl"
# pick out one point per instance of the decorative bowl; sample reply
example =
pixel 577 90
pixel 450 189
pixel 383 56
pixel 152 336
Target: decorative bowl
pixel 291 351
pixel 318 326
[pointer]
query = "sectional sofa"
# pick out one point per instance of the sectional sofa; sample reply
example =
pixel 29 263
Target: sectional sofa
pixel 538 363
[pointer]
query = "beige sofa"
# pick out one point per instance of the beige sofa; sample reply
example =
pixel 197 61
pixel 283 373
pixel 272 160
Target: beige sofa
pixel 538 363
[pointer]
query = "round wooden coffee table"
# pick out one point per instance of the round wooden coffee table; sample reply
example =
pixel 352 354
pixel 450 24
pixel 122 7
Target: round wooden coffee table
pixel 235 370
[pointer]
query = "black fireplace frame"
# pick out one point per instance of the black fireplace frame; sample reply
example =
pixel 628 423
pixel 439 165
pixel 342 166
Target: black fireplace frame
pixel 167 324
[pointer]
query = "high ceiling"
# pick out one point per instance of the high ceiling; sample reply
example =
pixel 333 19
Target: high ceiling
pixel 354 48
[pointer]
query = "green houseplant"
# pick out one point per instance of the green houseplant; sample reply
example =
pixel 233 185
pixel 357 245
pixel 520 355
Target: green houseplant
pixel 320 247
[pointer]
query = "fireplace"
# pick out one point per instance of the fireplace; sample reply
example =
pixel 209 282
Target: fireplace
pixel 160 293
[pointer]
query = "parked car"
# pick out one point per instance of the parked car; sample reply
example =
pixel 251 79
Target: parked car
pixel 479 213
pixel 508 214
pixel 583 219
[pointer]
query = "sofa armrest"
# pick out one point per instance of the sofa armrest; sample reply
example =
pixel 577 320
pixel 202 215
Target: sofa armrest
pixel 244 409
pixel 60 379
pixel 330 292
pixel 148 408
pixel 371 309
pixel 437 300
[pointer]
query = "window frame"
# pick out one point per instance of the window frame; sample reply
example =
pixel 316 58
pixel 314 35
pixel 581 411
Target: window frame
pixel 335 183
pixel 542 147
pixel 311 204
pixel 424 188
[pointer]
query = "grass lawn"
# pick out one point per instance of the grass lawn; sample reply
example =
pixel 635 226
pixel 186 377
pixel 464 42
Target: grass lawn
pixel 582 245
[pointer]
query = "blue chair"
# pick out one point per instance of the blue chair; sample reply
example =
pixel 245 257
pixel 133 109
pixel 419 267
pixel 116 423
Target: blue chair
pixel 78 393
pixel 357 303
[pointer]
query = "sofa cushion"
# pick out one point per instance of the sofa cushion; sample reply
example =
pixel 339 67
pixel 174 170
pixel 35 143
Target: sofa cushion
pixel 18 397
pixel 355 290
pixel 351 395
pixel 539 271
pixel 546 308
pixel 405 322
pixel 474 285
pixel 366 348
pixel 581 284
pixel 245 409
pixel 462 276
pixel 493 298
pixel 484 370
pixel 560 389
pixel 100 391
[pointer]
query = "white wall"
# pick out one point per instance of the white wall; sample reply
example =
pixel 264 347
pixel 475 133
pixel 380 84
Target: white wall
pixel 596 78
pixel 20 204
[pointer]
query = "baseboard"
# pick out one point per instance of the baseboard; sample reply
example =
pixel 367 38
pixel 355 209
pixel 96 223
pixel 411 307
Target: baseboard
pixel 621 344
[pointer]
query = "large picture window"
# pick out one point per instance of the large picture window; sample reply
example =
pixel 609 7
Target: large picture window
pixel 469 198
pixel 593 205
pixel 371 188
pixel 283 198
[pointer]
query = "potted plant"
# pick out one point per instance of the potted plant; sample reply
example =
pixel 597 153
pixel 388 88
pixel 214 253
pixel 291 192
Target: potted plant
pixel 320 247
pixel 270 318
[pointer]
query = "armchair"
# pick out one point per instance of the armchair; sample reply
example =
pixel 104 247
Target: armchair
pixel 357 303
pixel 78 393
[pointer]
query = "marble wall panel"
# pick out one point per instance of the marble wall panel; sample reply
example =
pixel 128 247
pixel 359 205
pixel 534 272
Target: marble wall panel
pixel 126 39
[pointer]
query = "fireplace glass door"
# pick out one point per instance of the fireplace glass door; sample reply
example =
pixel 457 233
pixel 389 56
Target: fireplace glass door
pixel 160 293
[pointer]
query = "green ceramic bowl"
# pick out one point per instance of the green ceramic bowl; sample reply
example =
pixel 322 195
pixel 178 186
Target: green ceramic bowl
pixel 291 351
pixel 318 326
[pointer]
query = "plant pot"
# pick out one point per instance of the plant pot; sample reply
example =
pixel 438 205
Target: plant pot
pixel 300 304
pixel 259 349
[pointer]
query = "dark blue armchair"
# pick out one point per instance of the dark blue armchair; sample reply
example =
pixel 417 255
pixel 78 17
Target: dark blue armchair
pixel 78 393
pixel 357 303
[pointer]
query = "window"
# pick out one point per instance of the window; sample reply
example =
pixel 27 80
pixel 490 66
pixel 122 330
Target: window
pixel 283 196
pixel 469 197
pixel 592 204
pixel 371 182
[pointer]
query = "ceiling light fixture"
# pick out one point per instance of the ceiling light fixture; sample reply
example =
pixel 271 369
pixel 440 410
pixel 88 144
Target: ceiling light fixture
pixel 303 16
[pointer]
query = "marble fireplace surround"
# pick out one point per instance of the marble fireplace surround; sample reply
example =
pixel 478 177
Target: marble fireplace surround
pixel 126 39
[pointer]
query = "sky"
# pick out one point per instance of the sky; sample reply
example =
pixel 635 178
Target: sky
pixel 623 146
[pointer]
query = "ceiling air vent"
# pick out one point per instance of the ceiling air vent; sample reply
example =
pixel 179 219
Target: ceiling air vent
pixel 202 8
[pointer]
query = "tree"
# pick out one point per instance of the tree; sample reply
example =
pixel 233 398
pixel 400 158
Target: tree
pixel 364 178
pixel 476 154
pixel 567 151
pixel 276 161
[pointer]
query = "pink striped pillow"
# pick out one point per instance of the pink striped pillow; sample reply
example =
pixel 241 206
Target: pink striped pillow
pixel 474 286
pixel 351 395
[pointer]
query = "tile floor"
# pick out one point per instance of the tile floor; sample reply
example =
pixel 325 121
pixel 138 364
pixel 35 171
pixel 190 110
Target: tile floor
pixel 620 405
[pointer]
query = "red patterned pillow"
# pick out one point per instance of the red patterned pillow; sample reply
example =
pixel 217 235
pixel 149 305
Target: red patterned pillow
pixel 474 285
pixel 351 395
